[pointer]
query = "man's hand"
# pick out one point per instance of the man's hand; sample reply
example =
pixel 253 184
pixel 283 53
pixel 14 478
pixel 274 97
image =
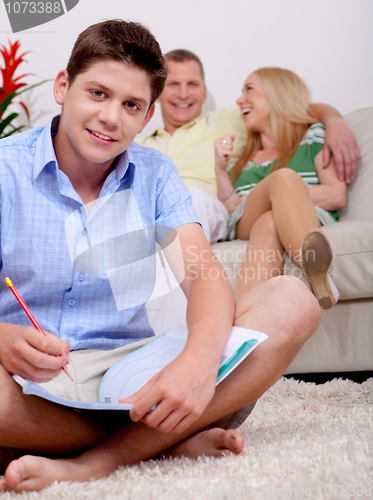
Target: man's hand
pixel 180 393
pixel 26 352
pixel 341 144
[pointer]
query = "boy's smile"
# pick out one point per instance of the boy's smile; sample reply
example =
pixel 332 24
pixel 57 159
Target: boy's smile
pixel 103 110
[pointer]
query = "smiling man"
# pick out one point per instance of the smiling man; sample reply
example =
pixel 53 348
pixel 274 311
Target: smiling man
pixel 188 137
pixel 184 94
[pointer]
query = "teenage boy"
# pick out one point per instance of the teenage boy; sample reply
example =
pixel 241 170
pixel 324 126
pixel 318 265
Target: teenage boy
pixel 188 137
pixel 75 196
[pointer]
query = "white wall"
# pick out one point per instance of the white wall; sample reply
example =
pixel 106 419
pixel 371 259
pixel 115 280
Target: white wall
pixel 327 42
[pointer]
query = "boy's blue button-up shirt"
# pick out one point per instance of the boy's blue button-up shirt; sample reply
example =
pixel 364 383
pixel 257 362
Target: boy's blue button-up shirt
pixel 85 276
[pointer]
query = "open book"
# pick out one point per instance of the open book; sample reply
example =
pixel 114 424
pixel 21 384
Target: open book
pixel 130 373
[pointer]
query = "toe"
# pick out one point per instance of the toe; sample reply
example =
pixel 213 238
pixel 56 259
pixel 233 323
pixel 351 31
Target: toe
pixel 233 441
pixel 20 473
pixel 12 474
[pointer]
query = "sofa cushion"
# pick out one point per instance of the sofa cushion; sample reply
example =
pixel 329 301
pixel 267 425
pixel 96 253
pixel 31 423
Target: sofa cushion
pixel 230 255
pixel 359 194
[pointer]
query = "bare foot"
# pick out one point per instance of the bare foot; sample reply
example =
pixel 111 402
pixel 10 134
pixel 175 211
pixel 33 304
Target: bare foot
pixel 33 473
pixel 211 443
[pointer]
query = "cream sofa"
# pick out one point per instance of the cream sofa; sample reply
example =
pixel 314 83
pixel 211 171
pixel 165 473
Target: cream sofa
pixel 344 340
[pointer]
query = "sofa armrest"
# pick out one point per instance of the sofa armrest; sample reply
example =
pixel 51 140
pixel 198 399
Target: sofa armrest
pixel 352 243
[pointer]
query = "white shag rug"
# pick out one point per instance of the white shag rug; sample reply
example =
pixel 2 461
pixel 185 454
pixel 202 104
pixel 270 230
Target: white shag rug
pixel 302 441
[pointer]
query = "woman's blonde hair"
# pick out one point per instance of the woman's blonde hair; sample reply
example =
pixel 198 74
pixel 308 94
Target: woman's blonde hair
pixel 290 117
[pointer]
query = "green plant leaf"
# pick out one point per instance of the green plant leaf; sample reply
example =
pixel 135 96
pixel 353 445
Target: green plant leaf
pixel 7 100
pixel 4 123
pixel 32 86
pixel 18 129
pixel 12 95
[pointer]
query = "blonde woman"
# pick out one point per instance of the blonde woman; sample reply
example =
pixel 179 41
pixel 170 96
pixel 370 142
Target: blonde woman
pixel 277 192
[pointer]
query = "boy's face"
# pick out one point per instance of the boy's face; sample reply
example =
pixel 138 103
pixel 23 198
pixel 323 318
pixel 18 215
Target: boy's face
pixel 103 110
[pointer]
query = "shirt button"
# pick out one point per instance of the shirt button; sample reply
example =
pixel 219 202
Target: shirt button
pixel 81 277
pixel 71 302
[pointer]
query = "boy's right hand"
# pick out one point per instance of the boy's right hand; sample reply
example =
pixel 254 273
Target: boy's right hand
pixel 26 352
pixel 223 152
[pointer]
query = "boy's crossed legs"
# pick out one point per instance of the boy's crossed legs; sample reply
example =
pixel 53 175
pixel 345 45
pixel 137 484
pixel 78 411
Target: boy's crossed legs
pixel 283 308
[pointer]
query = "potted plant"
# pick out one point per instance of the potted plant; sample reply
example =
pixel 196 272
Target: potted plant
pixel 10 88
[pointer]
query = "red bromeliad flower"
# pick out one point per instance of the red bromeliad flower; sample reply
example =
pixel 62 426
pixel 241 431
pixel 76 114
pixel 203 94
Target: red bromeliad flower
pixel 11 84
pixel 11 88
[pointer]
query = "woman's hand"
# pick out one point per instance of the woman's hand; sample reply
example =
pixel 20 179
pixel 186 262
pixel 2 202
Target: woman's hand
pixel 226 192
pixel 223 152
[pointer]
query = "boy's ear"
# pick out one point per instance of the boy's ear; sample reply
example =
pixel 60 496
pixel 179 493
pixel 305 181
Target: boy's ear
pixel 61 84
pixel 148 117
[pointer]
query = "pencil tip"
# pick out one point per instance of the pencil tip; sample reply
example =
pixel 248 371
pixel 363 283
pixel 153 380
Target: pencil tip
pixel 67 373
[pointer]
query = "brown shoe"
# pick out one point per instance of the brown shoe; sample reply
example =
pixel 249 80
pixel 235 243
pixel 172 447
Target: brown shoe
pixel 317 264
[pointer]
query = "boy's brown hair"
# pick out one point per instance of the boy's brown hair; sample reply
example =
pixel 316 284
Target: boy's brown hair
pixel 123 41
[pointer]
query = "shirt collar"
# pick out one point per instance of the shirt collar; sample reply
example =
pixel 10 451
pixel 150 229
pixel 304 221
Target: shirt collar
pixel 161 131
pixel 122 163
pixel 44 148
pixel 46 155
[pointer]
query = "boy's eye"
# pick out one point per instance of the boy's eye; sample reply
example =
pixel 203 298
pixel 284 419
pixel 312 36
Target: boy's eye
pixel 98 93
pixel 132 105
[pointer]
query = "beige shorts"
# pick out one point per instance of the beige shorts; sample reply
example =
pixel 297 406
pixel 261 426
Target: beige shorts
pixel 87 369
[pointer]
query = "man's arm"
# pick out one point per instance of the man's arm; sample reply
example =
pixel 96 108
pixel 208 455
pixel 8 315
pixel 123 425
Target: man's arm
pixel 183 389
pixel 339 141
pixel 331 193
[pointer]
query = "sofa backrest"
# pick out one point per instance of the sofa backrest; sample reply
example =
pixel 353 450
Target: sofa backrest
pixel 360 191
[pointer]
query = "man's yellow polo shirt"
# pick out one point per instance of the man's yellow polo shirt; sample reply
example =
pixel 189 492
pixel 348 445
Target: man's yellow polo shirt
pixel 192 146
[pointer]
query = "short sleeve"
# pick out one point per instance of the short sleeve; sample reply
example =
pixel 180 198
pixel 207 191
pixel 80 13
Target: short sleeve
pixel 315 138
pixel 173 203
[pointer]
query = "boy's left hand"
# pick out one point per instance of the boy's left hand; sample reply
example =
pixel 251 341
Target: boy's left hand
pixel 180 394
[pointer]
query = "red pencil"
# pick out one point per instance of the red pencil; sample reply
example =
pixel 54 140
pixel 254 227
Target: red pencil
pixel 22 303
